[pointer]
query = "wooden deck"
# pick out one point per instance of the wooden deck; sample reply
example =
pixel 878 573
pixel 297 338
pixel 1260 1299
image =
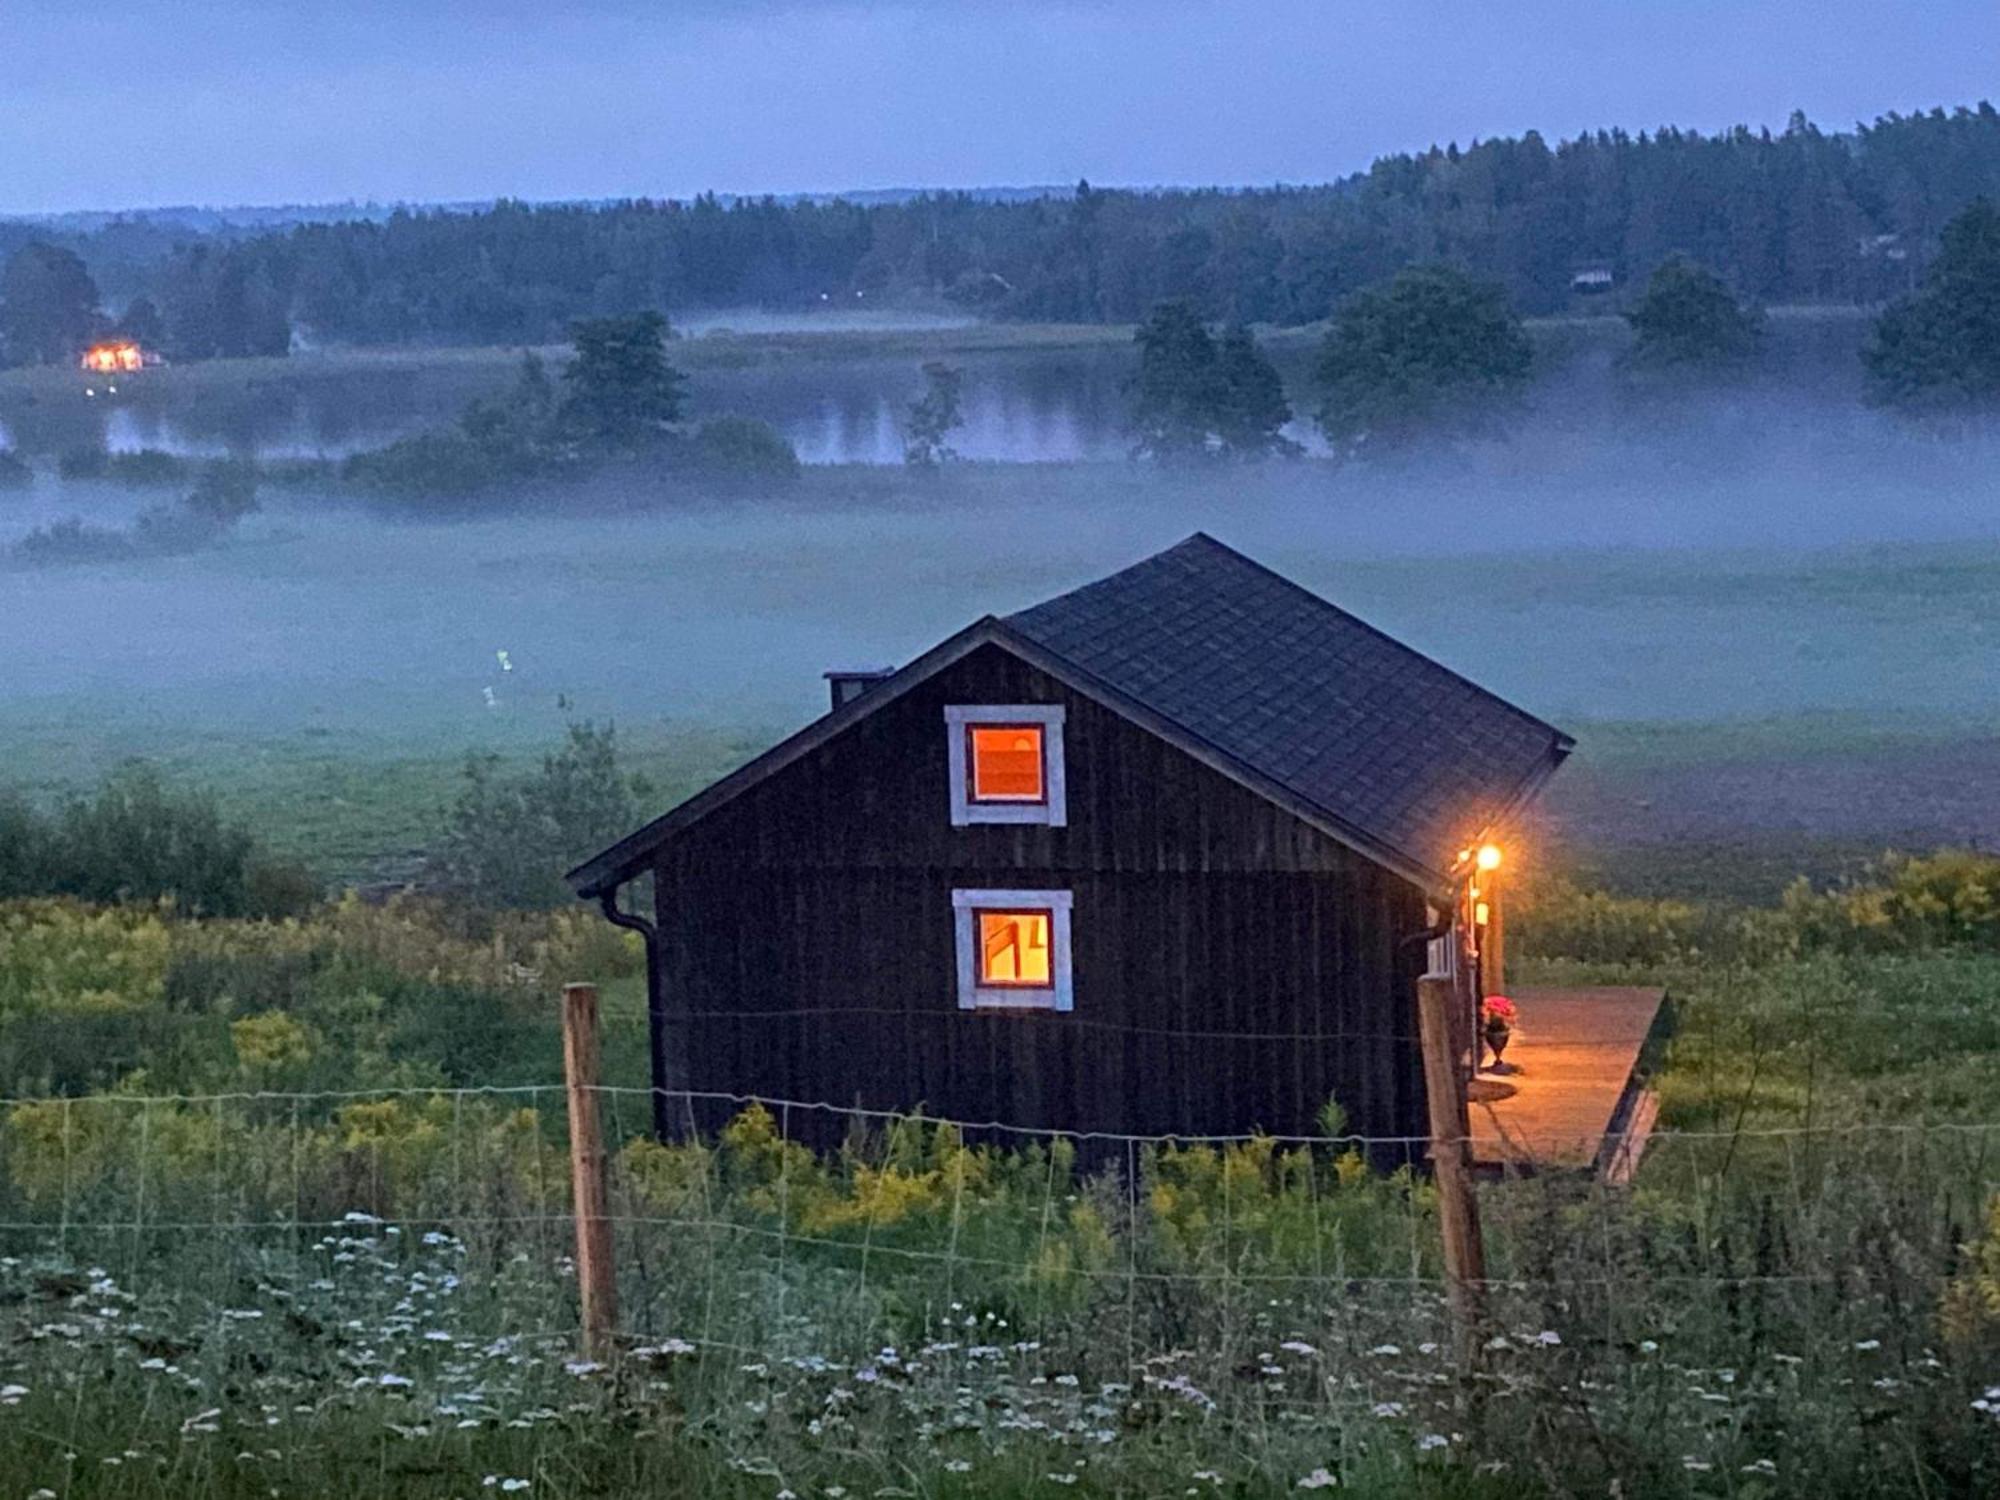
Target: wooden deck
pixel 1570 1096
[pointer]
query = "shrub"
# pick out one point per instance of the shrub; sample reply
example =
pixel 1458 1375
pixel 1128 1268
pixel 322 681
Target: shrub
pixel 15 474
pixel 507 840
pixel 1943 900
pixel 72 540
pixel 1688 317
pixel 428 464
pixel 743 450
pixel 1556 919
pixel 138 840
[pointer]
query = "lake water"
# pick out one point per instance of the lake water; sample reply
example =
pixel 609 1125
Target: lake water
pixel 1050 407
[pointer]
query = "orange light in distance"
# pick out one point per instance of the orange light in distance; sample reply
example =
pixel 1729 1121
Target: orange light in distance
pixel 1489 856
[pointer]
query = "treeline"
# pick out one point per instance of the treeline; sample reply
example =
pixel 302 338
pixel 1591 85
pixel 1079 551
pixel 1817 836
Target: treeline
pixel 1798 216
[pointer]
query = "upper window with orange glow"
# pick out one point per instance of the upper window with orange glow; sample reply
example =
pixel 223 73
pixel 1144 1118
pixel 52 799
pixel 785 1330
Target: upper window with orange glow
pixel 1014 948
pixel 1006 762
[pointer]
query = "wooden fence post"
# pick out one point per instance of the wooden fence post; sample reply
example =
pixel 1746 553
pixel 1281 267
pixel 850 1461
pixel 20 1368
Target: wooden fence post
pixel 597 1282
pixel 1451 1159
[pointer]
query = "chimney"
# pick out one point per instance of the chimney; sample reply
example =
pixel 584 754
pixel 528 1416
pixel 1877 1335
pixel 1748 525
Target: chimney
pixel 844 686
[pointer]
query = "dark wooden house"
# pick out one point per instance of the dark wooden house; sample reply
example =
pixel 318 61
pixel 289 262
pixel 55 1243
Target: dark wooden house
pixel 1158 856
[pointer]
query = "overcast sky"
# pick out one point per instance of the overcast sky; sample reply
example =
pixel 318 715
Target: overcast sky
pixel 113 103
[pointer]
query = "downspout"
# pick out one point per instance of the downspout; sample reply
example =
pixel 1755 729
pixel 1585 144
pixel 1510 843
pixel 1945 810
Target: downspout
pixel 656 1003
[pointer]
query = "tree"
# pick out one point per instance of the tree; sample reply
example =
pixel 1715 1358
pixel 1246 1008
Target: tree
pixel 1173 395
pixel 933 417
pixel 1941 347
pixel 1197 396
pixel 48 305
pixel 1433 351
pixel 620 388
pixel 141 322
pixel 1250 406
pixel 1688 317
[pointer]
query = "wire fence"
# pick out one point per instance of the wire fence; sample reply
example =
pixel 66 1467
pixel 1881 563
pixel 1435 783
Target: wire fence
pixel 992 1274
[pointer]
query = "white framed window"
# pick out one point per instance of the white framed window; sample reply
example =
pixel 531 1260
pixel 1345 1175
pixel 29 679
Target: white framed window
pixel 1006 763
pixel 1013 950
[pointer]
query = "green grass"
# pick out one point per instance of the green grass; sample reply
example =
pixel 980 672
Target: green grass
pixel 353 814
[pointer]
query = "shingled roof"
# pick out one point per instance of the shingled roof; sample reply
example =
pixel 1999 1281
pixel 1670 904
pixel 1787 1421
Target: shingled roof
pixel 1381 739
pixel 1257 677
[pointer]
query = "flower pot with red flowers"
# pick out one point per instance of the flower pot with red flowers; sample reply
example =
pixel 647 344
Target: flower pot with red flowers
pixel 1496 1025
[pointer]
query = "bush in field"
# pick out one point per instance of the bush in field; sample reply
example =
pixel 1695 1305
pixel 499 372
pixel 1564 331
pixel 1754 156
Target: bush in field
pixel 1687 317
pixel 224 492
pixel 743 450
pixel 450 463
pixel 496 442
pixel 15 474
pixel 1943 900
pixel 345 996
pixel 139 840
pixel 72 540
pixel 508 839
pixel 1556 919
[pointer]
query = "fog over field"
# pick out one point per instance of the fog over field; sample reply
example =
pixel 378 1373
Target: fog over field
pixel 1865 583
pixel 1768 576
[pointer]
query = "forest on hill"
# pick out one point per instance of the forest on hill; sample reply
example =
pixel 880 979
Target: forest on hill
pixel 1802 215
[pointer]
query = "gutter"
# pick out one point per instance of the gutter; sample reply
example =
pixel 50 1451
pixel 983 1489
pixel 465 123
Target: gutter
pixel 656 1003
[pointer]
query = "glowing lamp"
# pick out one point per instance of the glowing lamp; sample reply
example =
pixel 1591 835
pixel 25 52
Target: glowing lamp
pixel 1489 856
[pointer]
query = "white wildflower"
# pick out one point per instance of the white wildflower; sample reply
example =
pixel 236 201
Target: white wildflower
pixel 1319 1479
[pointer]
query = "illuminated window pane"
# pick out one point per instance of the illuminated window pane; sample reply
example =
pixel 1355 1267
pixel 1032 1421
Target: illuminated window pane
pixel 1006 762
pixel 1014 948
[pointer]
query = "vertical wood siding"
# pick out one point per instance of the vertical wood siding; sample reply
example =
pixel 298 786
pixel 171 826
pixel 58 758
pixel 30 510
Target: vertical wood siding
pixel 1234 967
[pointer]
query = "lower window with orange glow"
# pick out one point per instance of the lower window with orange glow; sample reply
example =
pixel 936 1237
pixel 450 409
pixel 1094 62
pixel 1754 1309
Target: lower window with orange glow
pixel 1013 949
